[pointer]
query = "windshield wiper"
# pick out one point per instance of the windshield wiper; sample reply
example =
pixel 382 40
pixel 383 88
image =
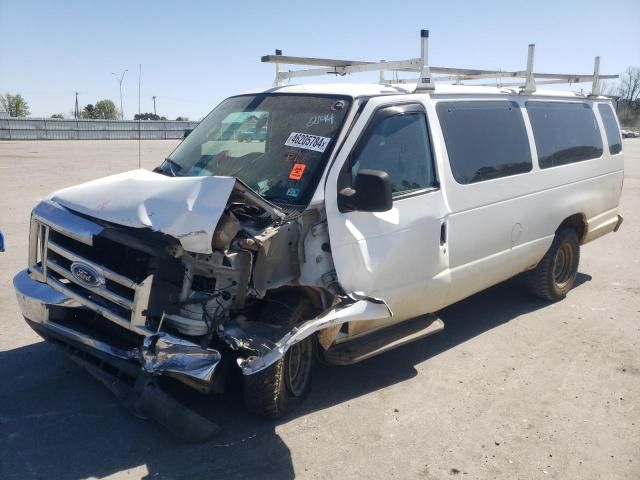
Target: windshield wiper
pixel 276 198
pixel 173 166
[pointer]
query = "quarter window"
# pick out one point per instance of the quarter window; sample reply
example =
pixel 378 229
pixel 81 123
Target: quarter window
pixel 564 132
pixel 399 145
pixel 610 128
pixel 485 140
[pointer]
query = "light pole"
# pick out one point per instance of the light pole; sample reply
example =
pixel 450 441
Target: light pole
pixel 120 81
pixel 154 105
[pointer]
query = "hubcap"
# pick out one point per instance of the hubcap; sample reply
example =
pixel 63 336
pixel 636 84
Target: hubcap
pixel 297 368
pixel 563 265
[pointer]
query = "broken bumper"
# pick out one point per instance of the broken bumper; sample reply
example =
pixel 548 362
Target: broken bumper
pixel 50 313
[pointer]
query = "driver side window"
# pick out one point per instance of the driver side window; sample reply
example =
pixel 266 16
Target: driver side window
pixel 398 145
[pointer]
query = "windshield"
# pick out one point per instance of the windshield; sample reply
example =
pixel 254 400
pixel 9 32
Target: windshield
pixel 275 143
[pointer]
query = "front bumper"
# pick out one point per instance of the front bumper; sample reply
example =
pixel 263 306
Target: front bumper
pixel 59 319
pixel 130 371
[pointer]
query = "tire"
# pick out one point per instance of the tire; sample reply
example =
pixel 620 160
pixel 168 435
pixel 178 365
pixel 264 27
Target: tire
pixel 556 273
pixel 280 388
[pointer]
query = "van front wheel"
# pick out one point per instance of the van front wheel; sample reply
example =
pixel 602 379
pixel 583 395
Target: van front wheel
pixel 281 387
pixel 556 273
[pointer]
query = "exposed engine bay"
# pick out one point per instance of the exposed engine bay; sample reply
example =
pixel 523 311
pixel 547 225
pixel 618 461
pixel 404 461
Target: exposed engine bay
pixel 197 258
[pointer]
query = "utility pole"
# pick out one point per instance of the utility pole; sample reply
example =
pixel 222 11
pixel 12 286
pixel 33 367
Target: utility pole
pixel 120 81
pixel 76 112
pixel 154 105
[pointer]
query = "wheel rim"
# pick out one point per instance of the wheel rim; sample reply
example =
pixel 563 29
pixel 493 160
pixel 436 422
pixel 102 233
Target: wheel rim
pixel 563 265
pixel 297 368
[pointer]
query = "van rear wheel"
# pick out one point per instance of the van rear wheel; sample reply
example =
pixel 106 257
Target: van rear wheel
pixel 556 273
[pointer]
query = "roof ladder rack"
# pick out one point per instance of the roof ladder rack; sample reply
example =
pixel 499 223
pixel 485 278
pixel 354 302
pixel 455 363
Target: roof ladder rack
pixel 527 80
pixel 595 85
pixel 530 85
pixel 424 82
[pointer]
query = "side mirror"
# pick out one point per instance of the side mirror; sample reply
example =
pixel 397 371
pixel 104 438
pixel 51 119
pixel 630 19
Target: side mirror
pixel 371 192
pixel 1 242
pixel 187 132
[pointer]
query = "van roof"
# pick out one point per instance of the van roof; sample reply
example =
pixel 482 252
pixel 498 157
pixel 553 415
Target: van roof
pixel 374 89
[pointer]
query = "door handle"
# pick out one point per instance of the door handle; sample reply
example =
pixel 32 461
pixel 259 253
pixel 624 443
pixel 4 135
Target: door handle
pixel 443 233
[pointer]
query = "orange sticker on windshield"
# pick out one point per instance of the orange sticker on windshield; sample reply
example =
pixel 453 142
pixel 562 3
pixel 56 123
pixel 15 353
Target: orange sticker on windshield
pixel 297 171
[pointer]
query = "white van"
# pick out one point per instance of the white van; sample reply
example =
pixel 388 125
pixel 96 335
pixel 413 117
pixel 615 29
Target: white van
pixel 366 209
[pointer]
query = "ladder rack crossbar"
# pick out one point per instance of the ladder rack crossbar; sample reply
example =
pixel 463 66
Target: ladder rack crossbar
pixel 341 67
pixel 411 65
pixel 309 61
pixel 329 66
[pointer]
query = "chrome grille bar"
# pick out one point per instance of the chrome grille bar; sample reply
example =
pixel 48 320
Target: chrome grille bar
pixel 47 264
pixel 67 223
pixel 85 302
pixel 102 291
pixel 111 275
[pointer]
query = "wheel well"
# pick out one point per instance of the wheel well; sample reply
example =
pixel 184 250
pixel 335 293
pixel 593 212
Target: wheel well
pixel 578 223
pixel 320 299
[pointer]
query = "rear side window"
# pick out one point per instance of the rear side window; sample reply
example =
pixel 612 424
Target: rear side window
pixel 485 140
pixel 610 128
pixel 564 132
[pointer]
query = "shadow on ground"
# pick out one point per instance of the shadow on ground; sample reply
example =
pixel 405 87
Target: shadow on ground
pixel 56 421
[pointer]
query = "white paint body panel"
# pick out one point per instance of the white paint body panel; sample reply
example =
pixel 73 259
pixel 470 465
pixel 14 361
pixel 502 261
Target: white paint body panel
pixel 186 208
pixel 396 254
pixel 500 227
pixel 495 229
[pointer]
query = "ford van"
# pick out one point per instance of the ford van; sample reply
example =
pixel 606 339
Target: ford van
pixel 366 209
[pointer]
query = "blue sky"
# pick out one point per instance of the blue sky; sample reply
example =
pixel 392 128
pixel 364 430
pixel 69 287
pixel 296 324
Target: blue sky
pixel 194 54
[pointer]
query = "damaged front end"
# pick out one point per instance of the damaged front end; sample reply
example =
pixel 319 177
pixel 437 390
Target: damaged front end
pixel 173 281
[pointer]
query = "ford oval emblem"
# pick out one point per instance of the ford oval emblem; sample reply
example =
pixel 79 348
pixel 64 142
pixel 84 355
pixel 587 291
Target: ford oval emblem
pixel 86 275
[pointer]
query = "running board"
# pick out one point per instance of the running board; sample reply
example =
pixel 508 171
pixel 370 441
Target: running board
pixel 383 340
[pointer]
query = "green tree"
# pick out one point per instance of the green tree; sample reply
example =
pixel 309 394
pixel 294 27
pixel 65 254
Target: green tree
pixel 102 110
pixel 106 110
pixel 89 111
pixel 57 115
pixel 148 116
pixel 16 105
pixel 182 119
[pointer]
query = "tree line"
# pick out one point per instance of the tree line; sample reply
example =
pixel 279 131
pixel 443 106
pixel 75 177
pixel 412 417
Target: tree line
pixel 627 91
pixel 17 106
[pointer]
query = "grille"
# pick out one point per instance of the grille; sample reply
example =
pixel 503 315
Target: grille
pixel 118 288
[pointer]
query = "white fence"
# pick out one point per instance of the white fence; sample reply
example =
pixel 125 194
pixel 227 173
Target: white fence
pixel 59 129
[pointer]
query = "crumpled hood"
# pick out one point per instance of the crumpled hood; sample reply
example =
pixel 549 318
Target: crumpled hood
pixel 186 208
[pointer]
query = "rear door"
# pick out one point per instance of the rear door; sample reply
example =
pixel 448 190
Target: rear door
pixel 399 255
pixel 488 179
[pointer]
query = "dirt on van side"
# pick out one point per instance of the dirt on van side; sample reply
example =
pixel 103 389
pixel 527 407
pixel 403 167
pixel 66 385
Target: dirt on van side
pixel 513 388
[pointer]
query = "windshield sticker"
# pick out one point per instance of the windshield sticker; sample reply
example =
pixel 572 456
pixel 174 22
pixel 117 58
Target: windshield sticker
pixel 297 171
pixel 308 142
pixel 321 118
pixel 263 186
pixel 293 192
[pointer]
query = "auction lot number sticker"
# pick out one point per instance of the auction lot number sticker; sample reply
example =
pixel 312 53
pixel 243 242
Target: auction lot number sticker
pixel 308 142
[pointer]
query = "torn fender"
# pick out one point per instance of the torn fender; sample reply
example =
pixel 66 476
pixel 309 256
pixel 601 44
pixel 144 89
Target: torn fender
pixel 186 208
pixel 352 308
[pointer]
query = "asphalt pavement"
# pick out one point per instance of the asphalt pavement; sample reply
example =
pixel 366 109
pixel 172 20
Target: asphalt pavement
pixel 513 387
